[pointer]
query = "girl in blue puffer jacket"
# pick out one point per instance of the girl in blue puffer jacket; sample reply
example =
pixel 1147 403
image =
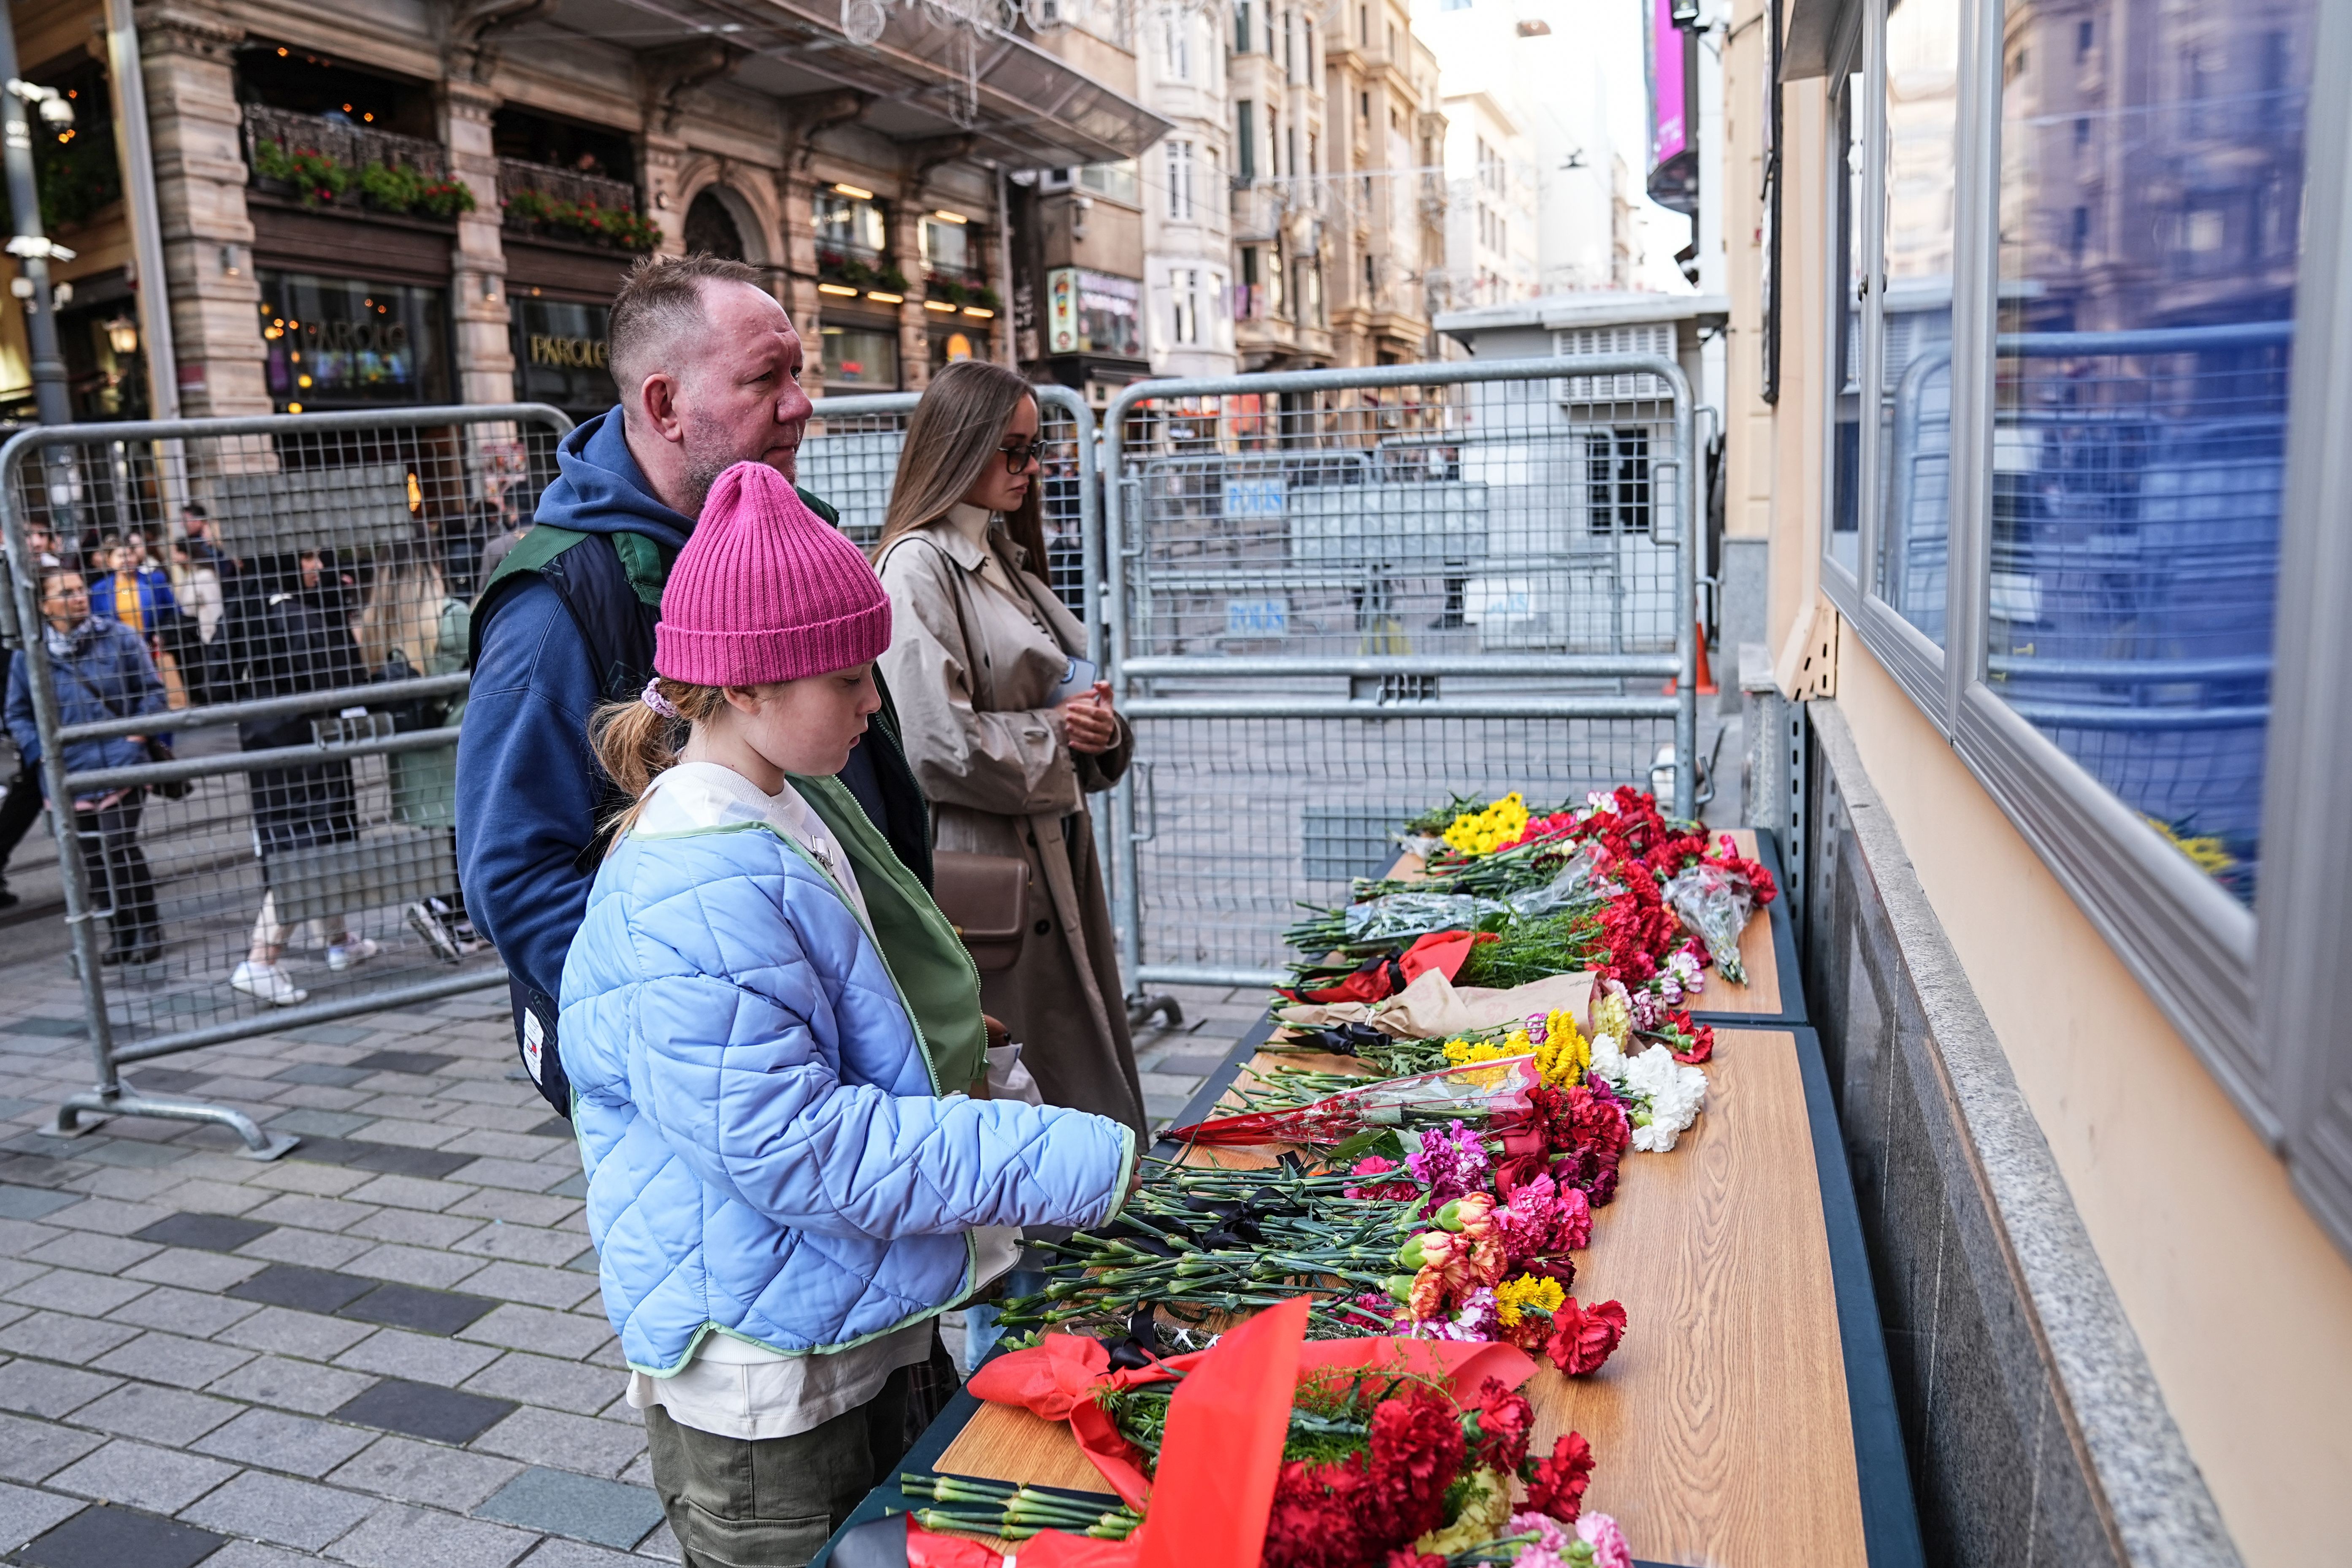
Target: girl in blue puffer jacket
pixel 782 1195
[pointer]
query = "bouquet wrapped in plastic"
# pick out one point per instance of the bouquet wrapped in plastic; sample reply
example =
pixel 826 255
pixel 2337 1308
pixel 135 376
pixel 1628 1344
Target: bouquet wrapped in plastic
pixel 1475 1091
pixel 1714 901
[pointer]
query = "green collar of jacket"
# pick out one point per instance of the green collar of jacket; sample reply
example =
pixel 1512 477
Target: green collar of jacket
pixel 925 955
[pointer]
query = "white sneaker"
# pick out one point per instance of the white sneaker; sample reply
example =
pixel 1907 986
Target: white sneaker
pixel 267 982
pixel 435 932
pixel 350 950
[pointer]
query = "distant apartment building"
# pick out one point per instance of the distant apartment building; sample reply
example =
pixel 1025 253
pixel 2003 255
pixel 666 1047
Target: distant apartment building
pixel 1386 238
pixel 1284 188
pixel 1187 258
pixel 1491 217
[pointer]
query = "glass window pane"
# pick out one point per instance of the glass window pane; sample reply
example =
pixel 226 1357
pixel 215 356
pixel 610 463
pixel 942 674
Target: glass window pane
pixel 1845 417
pixel 1915 442
pixel 2150 192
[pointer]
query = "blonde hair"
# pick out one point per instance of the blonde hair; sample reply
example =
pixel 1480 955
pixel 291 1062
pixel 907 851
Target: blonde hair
pixel 404 612
pixel 634 745
pixel 952 437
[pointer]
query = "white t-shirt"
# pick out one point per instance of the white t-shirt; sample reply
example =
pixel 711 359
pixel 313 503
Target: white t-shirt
pixel 733 1388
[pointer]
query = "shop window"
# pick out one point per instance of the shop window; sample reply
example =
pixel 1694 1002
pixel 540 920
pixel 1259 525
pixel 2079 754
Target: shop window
pixel 862 357
pixel 1915 438
pixel 2140 418
pixel 344 342
pixel 560 351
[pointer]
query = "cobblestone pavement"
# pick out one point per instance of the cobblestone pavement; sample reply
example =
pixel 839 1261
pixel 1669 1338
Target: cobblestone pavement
pixel 386 1349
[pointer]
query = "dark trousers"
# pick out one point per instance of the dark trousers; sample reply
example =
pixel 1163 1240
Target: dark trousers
pixel 119 877
pixel 18 812
pixel 769 1502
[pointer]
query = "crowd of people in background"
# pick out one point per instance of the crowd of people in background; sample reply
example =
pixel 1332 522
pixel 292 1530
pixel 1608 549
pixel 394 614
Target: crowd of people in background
pixel 158 621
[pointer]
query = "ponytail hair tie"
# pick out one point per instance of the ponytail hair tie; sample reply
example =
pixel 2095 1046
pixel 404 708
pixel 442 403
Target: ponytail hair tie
pixel 652 698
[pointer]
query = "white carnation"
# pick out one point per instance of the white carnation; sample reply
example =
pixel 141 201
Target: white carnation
pixel 1671 1091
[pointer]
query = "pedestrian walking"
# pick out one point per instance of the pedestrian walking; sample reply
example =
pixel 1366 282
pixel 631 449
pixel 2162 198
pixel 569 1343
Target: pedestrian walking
pixel 100 669
pixel 413 625
pixel 753 1095
pixel 300 641
pixel 1006 727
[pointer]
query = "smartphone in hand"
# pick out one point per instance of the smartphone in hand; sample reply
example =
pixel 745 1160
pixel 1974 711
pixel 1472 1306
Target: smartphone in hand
pixel 1077 681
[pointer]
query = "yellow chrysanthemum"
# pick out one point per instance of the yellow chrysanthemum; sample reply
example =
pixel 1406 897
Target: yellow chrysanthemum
pixel 1514 1296
pixel 1564 1055
pixel 1484 832
pixel 1461 1053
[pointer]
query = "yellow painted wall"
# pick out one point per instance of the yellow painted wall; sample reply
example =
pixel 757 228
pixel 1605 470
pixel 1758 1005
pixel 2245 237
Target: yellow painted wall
pixel 2242 1303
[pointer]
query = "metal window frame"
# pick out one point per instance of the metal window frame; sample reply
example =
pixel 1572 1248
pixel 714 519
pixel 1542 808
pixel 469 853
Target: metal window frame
pixel 2261 1017
pixel 1855 48
pixel 2305 905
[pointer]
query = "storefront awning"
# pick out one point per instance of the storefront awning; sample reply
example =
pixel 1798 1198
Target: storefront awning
pixel 928 74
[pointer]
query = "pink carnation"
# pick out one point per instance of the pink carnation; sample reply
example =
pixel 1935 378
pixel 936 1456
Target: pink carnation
pixel 1610 1549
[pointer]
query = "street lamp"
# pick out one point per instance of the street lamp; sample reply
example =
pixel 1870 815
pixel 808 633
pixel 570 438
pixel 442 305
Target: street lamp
pixel 122 336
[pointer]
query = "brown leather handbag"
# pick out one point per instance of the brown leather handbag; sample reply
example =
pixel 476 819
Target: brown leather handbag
pixel 986 899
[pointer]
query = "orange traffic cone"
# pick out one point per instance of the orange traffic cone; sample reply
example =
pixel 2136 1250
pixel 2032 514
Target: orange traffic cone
pixel 1706 686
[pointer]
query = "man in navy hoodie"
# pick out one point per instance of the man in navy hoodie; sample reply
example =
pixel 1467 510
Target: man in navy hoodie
pixel 708 367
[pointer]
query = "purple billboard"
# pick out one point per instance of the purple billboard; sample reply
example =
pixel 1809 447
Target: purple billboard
pixel 1671 55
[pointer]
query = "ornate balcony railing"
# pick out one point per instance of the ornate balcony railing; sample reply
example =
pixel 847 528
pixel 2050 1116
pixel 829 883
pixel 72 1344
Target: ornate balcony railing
pixel 517 174
pixel 352 146
pixel 539 199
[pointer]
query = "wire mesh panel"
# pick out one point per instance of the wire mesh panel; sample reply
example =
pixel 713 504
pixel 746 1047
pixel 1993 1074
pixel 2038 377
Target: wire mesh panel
pixel 1339 595
pixel 248 641
pixel 1368 519
pixel 1241 820
pixel 850 457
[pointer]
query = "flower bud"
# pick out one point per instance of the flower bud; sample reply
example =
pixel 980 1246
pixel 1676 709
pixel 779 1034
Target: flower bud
pixel 1400 1286
pixel 1450 1216
pixel 1409 1255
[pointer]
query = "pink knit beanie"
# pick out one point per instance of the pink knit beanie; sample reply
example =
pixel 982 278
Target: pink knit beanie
pixel 764 591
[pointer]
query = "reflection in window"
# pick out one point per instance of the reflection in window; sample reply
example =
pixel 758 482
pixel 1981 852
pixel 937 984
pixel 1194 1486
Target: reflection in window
pixel 2148 272
pixel 1915 442
pixel 1845 422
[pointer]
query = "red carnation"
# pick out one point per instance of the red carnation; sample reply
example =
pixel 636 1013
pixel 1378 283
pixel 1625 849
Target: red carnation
pixel 1558 1486
pixel 1406 1557
pixel 1314 1522
pixel 1504 1421
pixel 1417 1448
pixel 1583 1338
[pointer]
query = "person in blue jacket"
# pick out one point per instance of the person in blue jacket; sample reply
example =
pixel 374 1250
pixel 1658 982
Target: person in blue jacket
pixel 98 670
pixel 708 367
pixel 783 1187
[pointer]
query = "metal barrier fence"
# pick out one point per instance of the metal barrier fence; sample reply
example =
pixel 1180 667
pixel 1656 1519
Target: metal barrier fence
pixel 1339 596
pixel 295 861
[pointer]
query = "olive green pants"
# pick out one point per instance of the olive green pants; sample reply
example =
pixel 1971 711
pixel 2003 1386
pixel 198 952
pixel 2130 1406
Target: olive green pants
pixel 769 1502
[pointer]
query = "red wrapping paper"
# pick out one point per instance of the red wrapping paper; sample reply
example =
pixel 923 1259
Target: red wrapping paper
pixel 1058 1378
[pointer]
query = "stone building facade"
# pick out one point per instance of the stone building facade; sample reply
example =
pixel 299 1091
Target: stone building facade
pixel 304 161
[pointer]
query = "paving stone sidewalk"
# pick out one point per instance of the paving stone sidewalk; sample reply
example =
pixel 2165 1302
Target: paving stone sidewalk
pixel 385 1349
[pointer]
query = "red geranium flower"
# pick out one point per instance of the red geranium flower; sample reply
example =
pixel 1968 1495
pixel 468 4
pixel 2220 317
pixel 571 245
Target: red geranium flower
pixel 1557 1487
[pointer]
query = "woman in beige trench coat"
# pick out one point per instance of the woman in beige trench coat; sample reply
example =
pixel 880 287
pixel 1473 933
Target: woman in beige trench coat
pixel 977 646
